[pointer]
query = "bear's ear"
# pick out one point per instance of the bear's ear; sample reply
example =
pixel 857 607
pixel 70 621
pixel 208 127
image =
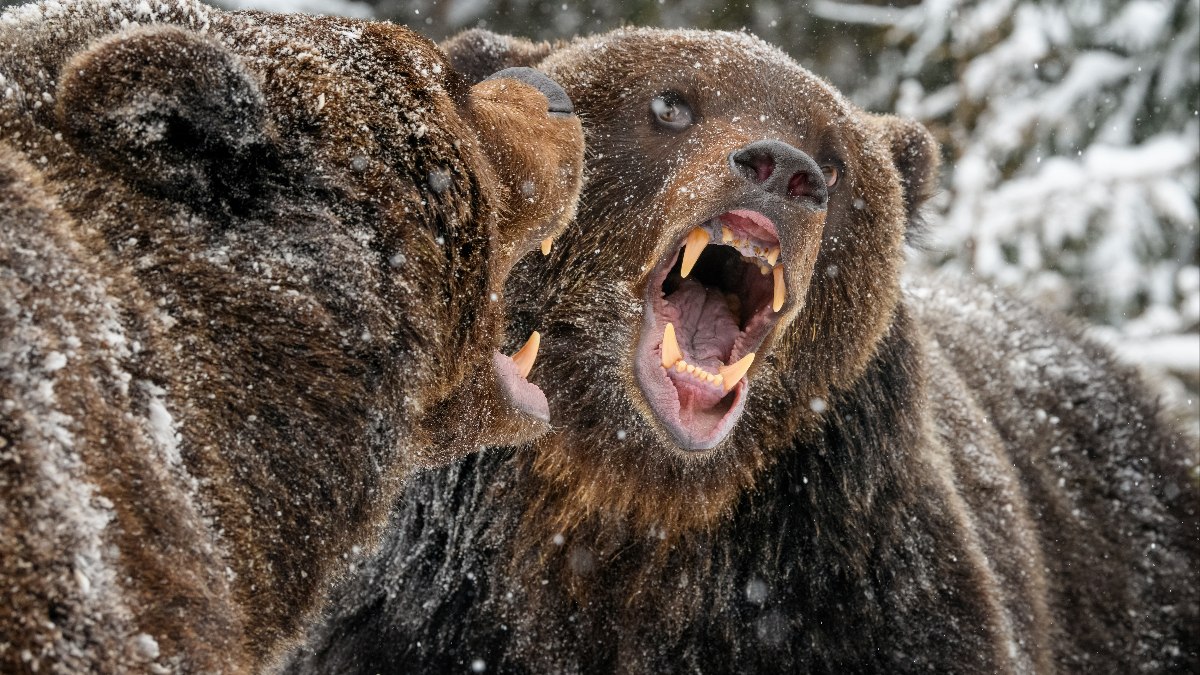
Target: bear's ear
pixel 477 53
pixel 917 158
pixel 169 110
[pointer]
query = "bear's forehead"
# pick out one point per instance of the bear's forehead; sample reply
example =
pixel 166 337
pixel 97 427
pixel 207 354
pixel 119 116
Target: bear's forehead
pixel 738 63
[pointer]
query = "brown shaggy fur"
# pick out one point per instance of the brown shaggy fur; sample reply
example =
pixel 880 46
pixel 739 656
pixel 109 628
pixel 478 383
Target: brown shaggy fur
pixel 927 477
pixel 247 262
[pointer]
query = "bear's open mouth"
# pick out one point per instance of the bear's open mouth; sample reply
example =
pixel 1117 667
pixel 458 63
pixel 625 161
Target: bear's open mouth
pixel 512 371
pixel 710 303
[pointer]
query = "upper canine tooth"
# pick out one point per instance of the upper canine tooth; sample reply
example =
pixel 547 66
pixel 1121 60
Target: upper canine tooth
pixel 670 347
pixel 546 244
pixel 732 374
pixel 780 291
pixel 697 239
pixel 527 354
pixel 772 255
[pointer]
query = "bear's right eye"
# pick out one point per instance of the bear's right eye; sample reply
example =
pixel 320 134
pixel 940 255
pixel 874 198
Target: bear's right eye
pixel 671 112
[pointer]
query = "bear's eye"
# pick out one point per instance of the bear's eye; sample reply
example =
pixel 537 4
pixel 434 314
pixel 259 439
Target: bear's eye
pixel 671 112
pixel 832 174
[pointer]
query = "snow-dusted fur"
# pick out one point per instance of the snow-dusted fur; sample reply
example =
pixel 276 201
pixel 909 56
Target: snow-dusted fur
pixel 247 263
pixel 928 477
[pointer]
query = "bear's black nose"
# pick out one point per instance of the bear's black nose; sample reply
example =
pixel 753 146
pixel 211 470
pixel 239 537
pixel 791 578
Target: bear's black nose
pixel 559 101
pixel 780 169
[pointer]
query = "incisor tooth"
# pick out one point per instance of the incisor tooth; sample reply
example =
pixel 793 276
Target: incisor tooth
pixel 546 244
pixel 680 366
pixel 696 241
pixel 726 235
pixel 527 354
pixel 670 347
pixel 780 291
pixel 732 374
pixel 772 255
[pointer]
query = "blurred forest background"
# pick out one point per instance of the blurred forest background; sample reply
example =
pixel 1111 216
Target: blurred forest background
pixel 1070 131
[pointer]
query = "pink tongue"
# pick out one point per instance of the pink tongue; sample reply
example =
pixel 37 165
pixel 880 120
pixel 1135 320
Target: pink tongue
pixel 704 326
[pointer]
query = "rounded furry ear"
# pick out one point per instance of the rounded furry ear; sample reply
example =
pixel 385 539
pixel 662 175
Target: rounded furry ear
pixel 917 158
pixel 170 111
pixel 477 53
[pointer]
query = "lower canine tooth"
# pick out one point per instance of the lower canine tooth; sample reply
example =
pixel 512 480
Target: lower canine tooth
pixel 780 291
pixel 697 239
pixel 527 354
pixel 546 244
pixel 670 347
pixel 732 374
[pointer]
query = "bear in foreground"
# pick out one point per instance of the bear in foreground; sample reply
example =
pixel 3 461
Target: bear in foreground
pixel 774 451
pixel 249 264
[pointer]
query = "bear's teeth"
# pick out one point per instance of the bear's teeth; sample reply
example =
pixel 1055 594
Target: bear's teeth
pixel 527 354
pixel 697 239
pixel 780 290
pixel 757 252
pixel 684 368
pixel 546 244
pixel 732 374
pixel 670 347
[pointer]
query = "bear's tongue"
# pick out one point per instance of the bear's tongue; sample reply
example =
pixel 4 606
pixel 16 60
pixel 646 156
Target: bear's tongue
pixel 705 328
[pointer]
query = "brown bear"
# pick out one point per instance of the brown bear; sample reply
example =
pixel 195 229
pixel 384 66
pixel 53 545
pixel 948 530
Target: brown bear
pixel 775 450
pixel 249 264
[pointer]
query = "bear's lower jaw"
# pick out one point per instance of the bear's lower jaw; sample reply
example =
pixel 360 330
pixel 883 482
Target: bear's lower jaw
pixel 524 395
pixel 708 305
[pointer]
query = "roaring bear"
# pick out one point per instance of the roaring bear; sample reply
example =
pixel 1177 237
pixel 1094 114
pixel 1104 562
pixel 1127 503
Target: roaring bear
pixel 775 450
pixel 251 266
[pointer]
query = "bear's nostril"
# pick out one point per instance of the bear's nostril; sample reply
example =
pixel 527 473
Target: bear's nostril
pixel 781 169
pixel 754 166
pixel 804 184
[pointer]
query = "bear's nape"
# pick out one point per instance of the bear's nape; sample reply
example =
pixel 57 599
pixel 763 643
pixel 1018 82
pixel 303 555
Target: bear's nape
pixel 173 112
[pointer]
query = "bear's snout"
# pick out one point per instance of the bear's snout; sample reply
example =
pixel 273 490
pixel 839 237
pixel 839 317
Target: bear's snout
pixel 782 170
pixel 559 102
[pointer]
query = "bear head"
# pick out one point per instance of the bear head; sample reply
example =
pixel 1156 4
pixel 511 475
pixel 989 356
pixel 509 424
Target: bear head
pixel 450 183
pixel 735 264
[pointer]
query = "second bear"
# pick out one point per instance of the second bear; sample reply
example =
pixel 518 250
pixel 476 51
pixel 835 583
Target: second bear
pixel 247 264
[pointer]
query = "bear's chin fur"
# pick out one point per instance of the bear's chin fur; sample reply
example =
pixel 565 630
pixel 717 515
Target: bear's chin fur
pixel 926 476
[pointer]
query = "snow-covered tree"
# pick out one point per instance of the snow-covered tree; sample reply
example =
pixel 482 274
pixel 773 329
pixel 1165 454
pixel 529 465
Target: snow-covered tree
pixel 1072 139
